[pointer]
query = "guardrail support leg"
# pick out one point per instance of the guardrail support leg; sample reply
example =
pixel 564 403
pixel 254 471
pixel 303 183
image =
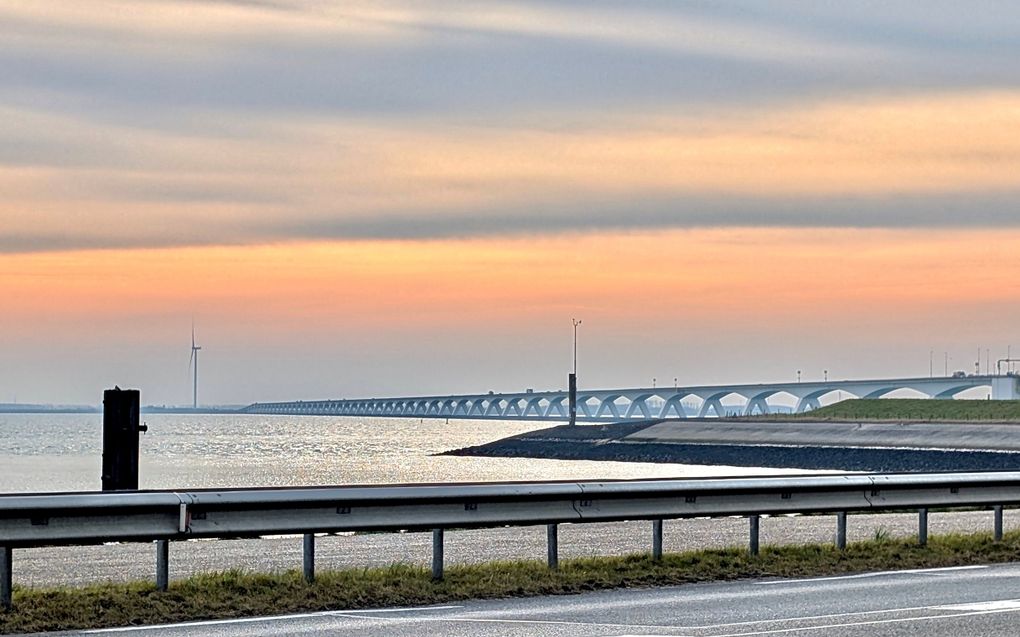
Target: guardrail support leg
pixel 754 522
pixel 437 554
pixel 162 564
pixel 997 531
pixel 553 536
pixel 309 557
pixel 6 577
pixel 841 530
pixel 922 527
pixel 656 540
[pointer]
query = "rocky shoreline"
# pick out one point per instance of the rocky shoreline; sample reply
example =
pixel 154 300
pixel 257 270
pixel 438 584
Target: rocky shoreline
pixel 610 443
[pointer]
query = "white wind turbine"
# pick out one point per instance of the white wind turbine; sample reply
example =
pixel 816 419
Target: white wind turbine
pixel 193 364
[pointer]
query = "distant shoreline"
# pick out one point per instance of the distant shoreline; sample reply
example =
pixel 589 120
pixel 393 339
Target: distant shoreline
pixel 85 409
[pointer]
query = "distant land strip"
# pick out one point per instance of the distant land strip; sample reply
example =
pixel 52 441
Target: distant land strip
pixel 914 409
pixel 30 408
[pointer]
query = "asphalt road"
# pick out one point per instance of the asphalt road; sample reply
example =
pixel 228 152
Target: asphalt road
pixel 933 603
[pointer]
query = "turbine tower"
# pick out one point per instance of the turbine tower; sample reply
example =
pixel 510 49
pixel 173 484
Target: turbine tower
pixel 193 364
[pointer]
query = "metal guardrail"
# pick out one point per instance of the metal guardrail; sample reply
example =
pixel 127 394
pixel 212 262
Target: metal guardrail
pixel 62 519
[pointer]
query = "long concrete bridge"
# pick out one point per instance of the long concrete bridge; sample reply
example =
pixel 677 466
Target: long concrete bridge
pixel 608 405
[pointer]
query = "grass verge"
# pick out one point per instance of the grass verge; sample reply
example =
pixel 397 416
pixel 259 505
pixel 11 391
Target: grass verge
pixel 243 594
pixel 915 409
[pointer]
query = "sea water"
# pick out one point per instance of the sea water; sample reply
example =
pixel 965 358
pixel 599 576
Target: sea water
pixel 63 452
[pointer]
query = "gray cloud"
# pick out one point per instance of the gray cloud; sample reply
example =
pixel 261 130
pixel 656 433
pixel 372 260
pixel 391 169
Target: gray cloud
pixel 106 83
pixel 471 69
pixel 948 210
pixel 964 211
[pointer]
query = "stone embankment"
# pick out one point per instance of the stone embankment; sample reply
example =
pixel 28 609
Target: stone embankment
pixel 846 446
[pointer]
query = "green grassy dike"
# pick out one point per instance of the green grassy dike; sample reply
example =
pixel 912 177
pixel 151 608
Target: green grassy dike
pixel 241 594
pixel 921 409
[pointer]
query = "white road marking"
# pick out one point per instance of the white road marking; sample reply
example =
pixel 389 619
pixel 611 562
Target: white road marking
pixel 964 610
pixel 1004 604
pixel 393 610
pixel 550 622
pixel 907 609
pixel 915 571
pixel 271 618
pixel 875 622
pixel 773 631
pixel 954 610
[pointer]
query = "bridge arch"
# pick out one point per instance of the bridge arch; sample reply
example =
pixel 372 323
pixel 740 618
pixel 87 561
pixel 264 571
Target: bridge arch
pixel 556 408
pixel 759 401
pixel 638 404
pixel 713 402
pixel 674 404
pixel 494 406
pixel 513 406
pixel 947 394
pixel 584 405
pixel 534 406
pixel 608 406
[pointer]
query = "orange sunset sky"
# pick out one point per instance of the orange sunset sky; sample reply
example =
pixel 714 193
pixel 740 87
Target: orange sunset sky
pixel 386 198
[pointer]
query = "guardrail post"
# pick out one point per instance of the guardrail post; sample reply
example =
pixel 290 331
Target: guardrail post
pixel 437 554
pixel 754 522
pixel 841 530
pixel 553 536
pixel 309 557
pixel 6 577
pixel 656 540
pixel 997 522
pixel 162 564
pixel 922 527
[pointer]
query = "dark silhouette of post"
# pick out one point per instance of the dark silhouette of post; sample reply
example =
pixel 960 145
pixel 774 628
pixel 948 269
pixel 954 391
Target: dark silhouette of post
pixel 573 379
pixel 120 439
pixel 573 399
pixel 6 577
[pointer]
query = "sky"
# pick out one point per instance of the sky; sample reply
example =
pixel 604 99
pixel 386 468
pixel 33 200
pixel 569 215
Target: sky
pixel 366 199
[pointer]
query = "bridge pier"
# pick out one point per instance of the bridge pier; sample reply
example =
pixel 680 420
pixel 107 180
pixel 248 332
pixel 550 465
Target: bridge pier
pixel 761 404
pixel 808 403
pixel 1006 388
pixel 711 404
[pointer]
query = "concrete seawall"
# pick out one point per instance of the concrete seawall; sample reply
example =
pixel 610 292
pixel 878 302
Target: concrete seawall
pixel 879 447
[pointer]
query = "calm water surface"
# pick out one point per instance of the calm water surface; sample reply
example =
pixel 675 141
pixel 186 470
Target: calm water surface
pixel 63 452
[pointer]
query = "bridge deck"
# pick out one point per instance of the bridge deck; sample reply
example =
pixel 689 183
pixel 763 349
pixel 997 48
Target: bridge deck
pixel 610 405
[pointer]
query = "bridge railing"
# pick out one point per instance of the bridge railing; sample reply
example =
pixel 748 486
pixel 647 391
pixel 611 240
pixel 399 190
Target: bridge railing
pixel 33 520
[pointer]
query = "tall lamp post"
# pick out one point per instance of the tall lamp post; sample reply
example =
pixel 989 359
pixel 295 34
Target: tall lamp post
pixel 573 379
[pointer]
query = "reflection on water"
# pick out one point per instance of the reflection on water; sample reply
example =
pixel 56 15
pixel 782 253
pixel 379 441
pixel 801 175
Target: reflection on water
pixel 62 452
